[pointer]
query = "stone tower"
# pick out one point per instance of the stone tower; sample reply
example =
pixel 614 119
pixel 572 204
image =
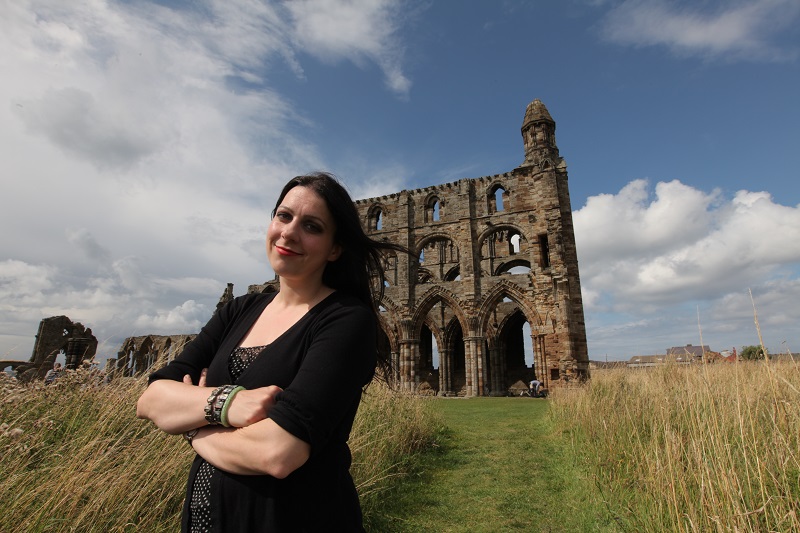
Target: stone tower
pixel 490 254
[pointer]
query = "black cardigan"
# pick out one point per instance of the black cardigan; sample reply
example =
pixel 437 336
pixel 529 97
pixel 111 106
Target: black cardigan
pixel 322 364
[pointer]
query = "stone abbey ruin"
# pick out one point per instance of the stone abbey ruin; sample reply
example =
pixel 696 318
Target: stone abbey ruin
pixel 489 255
pixel 57 336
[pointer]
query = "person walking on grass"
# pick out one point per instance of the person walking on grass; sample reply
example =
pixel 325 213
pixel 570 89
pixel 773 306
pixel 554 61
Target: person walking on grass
pixel 267 392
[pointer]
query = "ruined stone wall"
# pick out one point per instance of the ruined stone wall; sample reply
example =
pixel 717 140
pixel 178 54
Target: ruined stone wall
pixel 145 353
pixel 489 254
pixel 57 335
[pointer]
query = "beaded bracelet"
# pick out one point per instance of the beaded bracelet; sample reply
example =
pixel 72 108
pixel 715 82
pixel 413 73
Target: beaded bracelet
pixel 223 417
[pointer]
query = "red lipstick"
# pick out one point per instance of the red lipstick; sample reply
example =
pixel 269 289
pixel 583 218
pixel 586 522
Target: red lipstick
pixel 285 251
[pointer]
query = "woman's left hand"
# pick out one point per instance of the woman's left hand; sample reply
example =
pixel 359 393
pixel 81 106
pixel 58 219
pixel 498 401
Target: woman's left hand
pixel 251 406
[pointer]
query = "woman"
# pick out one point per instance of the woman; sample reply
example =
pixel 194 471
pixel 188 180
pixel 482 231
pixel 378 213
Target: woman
pixel 271 447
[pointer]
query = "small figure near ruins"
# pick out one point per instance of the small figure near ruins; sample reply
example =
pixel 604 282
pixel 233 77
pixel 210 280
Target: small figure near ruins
pixel 267 392
pixel 53 374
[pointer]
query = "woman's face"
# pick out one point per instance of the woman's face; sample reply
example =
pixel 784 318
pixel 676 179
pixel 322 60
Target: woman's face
pixel 300 238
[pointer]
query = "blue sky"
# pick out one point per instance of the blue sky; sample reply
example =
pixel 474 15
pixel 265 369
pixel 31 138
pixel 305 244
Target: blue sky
pixel 144 144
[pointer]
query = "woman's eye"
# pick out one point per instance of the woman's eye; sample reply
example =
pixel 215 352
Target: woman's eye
pixel 313 228
pixel 283 216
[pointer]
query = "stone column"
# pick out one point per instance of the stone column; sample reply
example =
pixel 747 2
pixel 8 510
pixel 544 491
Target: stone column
pixel 409 354
pixel 473 350
pixel 445 368
pixel 539 356
pixel 394 378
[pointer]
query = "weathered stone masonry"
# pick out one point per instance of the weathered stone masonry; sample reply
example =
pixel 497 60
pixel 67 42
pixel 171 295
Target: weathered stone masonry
pixel 57 335
pixel 463 286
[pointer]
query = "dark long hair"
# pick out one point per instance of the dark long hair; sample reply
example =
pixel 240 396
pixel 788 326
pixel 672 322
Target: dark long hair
pixel 359 269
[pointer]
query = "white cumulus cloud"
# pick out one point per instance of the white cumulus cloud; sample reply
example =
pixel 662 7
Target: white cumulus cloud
pixel 658 255
pixel 739 29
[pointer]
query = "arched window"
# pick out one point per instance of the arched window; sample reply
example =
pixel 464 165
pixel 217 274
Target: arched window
pixel 454 274
pixel 375 218
pixel 433 209
pixel 498 199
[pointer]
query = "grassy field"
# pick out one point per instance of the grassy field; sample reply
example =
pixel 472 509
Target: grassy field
pixel 687 449
pixel 73 456
pixel 691 449
pixel 499 466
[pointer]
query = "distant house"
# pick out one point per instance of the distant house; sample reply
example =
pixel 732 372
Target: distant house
pixel 689 350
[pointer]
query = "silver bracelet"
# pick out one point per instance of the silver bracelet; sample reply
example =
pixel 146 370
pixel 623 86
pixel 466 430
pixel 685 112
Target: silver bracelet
pixel 189 435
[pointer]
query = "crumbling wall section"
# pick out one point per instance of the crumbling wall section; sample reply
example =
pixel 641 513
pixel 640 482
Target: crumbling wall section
pixel 144 353
pixel 58 335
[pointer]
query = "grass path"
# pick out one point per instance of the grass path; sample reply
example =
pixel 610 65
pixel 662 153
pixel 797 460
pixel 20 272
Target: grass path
pixel 499 467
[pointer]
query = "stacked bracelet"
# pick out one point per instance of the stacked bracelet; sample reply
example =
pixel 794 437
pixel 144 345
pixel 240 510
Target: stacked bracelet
pixel 218 403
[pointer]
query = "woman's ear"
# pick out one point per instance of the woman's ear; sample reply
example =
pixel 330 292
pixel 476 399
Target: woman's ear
pixel 336 252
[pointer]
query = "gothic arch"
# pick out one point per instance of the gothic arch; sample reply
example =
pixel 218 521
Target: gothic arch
pixel 449 330
pixel 429 299
pixel 425 276
pixel 374 218
pixel 507 226
pixel 496 294
pixel 432 237
pixel 508 265
pixel 442 255
pixel 491 197
pixel 434 208
pixel 507 344
pixel 453 273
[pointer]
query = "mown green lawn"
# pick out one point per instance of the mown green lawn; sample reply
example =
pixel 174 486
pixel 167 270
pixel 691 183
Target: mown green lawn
pixel 498 467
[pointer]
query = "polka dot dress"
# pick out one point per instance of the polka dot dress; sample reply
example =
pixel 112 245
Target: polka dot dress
pixel 200 500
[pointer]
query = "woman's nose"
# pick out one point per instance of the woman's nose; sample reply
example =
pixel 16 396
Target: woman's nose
pixel 288 230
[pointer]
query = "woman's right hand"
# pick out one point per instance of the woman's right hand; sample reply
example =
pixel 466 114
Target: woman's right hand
pixel 251 406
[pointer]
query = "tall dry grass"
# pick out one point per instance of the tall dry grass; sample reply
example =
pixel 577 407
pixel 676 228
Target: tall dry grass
pixel 391 428
pixel 697 448
pixel 73 456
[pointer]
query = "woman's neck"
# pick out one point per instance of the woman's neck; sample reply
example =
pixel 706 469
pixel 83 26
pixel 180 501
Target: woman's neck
pixel 295 295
